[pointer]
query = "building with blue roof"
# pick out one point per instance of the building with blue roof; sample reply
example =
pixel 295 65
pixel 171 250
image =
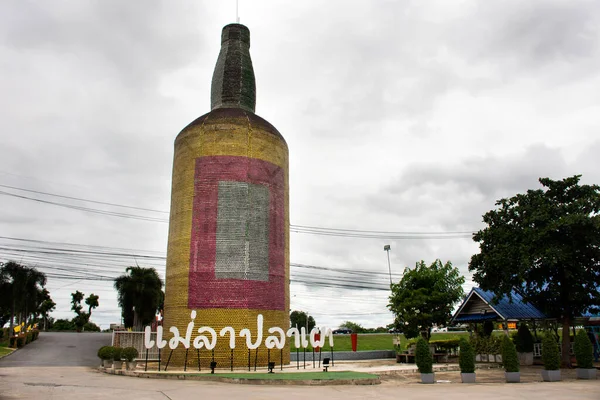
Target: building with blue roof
pixel 478 306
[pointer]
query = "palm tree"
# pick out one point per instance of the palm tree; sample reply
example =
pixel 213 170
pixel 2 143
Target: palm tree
pixel 21 288
pixel 139 295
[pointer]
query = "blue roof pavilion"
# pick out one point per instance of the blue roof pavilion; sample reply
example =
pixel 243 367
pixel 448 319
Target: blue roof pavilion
pixel 478 307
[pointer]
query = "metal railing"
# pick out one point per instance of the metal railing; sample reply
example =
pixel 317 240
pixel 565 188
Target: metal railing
pixel 135 339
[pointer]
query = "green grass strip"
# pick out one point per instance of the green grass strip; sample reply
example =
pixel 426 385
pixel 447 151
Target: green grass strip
pixel 4 351
pixel 296 376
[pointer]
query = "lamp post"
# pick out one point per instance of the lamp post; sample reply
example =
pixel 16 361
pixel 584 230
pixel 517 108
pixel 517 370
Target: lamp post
pixel 387 248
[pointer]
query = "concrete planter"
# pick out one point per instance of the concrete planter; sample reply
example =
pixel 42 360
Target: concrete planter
pixel 107 363
pixel 512 377
pixel 526 358
pixel 117 364
pixel 131 365
pixel 586 373
pixel 428 378
pixel 551 376
pixel 467 377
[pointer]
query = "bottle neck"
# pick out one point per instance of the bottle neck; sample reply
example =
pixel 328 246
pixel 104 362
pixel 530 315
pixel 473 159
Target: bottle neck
pixel 233 84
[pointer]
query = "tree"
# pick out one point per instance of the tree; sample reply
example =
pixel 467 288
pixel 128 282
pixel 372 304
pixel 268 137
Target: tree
pixel 426 296
pixel 82 317
pixel 46 305
pixel 354 327
pixel 299 319
pixel 21 292
pixel 140 296
pixel 544 244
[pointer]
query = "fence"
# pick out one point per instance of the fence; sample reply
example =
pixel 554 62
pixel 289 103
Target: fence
pixel 135 339
pixel 537 349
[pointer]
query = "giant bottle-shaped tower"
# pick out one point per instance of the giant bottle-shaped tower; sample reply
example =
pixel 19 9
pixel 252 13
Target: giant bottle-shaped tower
pixel 228 250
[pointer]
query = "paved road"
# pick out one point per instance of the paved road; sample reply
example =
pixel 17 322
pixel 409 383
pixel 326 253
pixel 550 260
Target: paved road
pixel 66 349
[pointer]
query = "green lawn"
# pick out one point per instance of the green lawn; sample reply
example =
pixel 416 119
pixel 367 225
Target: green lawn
pixel 295 376
pixel 4 350
pixel 377 341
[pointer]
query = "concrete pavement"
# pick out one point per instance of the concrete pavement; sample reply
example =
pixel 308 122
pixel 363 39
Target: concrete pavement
pixel 82 382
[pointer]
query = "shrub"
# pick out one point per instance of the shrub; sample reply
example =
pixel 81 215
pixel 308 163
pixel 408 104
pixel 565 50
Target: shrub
pixel 117 353
pixel 20 341
pixel 106 352
pixel 91 327
pixel 488 328
pixel 466 357
pixel 448 345
pixel 509 355
pixel 423 357
pixel 550 354
pixel 129 353
pixel 583 350
pixel 12 342
pixel 524 340
pixel 63 325
pixel 29 337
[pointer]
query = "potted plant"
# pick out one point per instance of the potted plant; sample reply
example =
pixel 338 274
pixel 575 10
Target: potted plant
pixel 584 354
pixel 510 361
pixel 117 362
pixel 524 345
pixel 466 361
pixel 106 355
pixel 129 354
pixel 551 359
pixel 424 361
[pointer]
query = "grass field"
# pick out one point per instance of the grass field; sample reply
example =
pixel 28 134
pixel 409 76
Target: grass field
pixel 4 350
pixel 294 376
pixel 378 341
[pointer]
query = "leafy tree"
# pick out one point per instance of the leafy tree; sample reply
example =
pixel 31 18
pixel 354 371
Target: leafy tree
pixel 46 305
pixel 426 296
pixel 140 296
pixel 82 317
pixel 545 244
pixel 21 292
pixel 63 325
pixel 354 327
pixel 302 319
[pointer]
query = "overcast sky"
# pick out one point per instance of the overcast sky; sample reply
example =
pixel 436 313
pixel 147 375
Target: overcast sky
pixel 400 116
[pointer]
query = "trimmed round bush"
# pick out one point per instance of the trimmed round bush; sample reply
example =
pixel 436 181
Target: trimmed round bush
pixel 524 340
pixel 550 354
pixel 584 351
pixel 509 355
pixel 423 357
pixel 129 354
pixel 106 352
pixel 466 357
pixel 117 353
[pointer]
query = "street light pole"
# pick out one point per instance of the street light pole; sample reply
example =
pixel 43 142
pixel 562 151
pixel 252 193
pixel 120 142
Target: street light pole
pixel 387 248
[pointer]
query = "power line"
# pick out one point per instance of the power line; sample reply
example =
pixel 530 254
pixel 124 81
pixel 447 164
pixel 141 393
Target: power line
pixel 301 229
pixel 80 199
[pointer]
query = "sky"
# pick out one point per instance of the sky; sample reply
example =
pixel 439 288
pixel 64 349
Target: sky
pixel 406 117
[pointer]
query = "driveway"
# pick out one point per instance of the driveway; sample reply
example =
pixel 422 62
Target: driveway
pixel 59 349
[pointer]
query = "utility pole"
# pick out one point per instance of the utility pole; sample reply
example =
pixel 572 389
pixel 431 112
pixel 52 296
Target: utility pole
pixel 387 248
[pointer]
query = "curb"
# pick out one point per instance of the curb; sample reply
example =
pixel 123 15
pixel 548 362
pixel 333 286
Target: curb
pixel 243 381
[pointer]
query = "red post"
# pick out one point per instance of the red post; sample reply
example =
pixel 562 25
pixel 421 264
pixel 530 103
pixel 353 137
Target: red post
pixel 354 338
